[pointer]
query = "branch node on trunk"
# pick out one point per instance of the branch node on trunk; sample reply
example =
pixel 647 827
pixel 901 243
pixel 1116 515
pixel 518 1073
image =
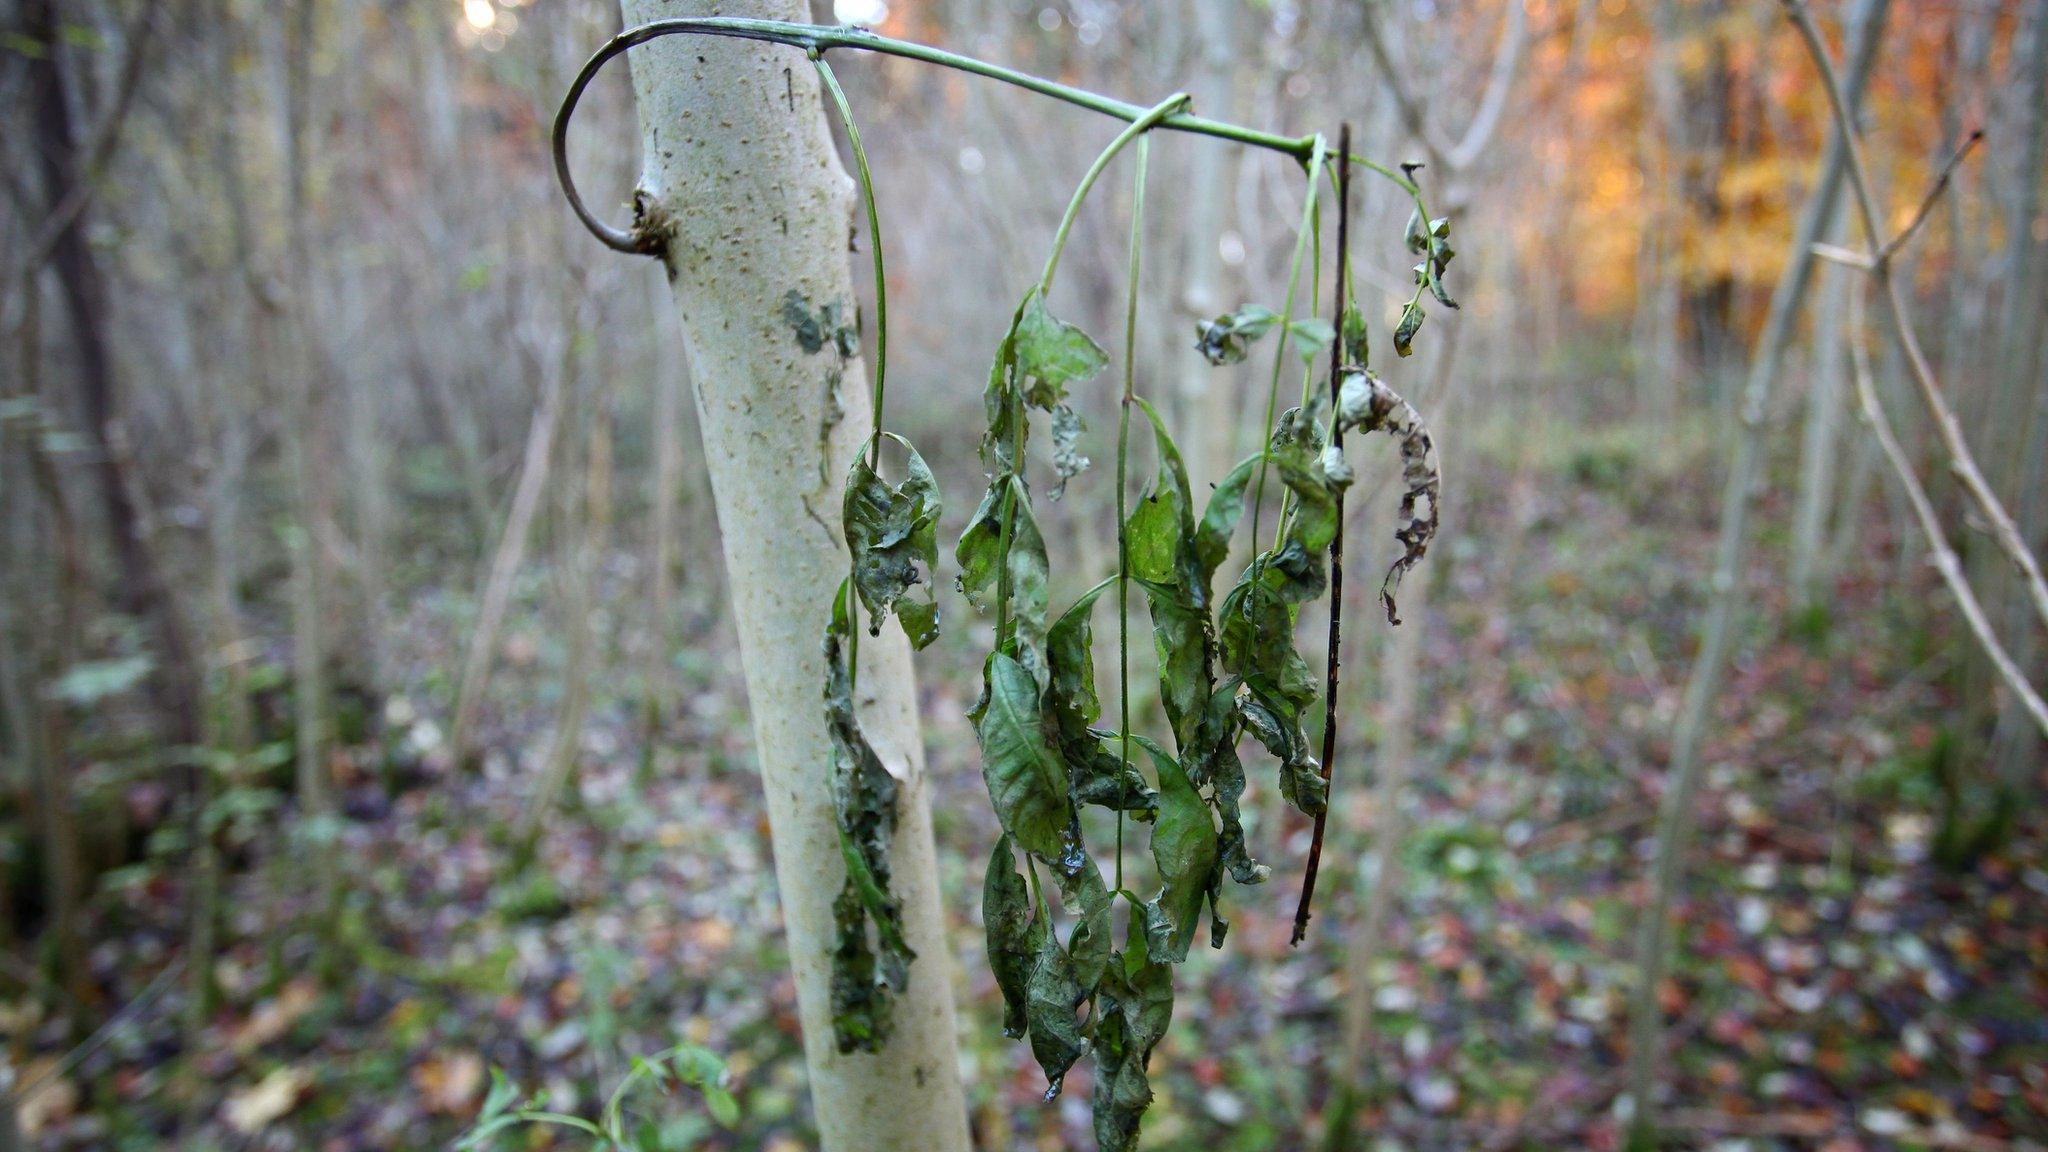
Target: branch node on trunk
pixel 653 229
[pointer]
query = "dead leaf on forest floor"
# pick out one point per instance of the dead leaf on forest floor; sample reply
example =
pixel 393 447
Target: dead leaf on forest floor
pixel 250 1110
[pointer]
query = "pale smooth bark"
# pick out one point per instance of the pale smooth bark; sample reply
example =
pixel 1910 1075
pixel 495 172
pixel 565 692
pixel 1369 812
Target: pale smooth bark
pixel 1819 445
pixel 506 559
pixel 740 176
pixel 304 435
pixel 585 512
pixel 663 504
pixel 2017 747
pixel 1717 634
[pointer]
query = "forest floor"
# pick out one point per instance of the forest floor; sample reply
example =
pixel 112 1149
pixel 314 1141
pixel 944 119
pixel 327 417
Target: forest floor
pixel 1836 986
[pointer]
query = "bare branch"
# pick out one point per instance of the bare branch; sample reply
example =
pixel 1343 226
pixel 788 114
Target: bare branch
pixel 1940 185
pixel 1847 257
pixel 1942 555
pixel 1507 57
pixel 1404 100
pixel 2003 529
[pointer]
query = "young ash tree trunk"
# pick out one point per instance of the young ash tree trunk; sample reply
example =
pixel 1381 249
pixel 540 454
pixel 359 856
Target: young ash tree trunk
pixel 740 178
pixel 1726 595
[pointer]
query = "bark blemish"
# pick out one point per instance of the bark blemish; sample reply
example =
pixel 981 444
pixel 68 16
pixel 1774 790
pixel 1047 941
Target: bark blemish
pixel 835 323
pixel 832 412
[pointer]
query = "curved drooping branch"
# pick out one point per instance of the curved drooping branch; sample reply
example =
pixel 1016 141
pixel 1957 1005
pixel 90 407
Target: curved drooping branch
pixel 817 39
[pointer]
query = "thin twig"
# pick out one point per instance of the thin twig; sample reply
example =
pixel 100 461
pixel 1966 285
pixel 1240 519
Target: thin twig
pixel 1964 464
pixel 1331 656
pixel 1846 257
pixel 100 1036
pixel 1943 556
pixel 1934 192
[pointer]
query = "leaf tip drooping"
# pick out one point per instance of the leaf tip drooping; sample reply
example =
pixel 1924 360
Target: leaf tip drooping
pixel 1365 402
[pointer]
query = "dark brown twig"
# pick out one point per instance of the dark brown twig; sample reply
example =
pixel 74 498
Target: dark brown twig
pixel 1315 847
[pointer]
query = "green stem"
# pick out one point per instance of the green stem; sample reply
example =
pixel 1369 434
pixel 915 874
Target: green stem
pixel 1301 241
pixel 1308 373
pixel 1123 544
pixel 1139 126
pixel 816 40
pixel 867 194
pixel 1136 129
pixel 1009 515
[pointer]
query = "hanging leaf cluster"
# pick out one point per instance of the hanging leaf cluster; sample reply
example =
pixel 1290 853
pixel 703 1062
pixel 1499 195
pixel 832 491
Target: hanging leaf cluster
pixel 892 534
pixel 1227 670
pixel 1043 759
pixel 1432 242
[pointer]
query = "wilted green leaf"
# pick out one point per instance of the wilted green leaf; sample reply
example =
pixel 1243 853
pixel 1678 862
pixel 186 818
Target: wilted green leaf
pixel 1027 780
pixel 1089 901
pixel 1006 919
pixel 1227 338
pixel 891 532
pixel 1258 615
pixel 980 554
pixel 1311 335
pixel 1161 540
pixel 1276 724
pixel 1357 342
pixel 1051 353
pixel 1067 461
pixel 1095 774
pixel 1184 847
pixel 1411 323
pixel 860 1009
pixel 1052 994
pixel 1220 518
pixel 1134 1012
